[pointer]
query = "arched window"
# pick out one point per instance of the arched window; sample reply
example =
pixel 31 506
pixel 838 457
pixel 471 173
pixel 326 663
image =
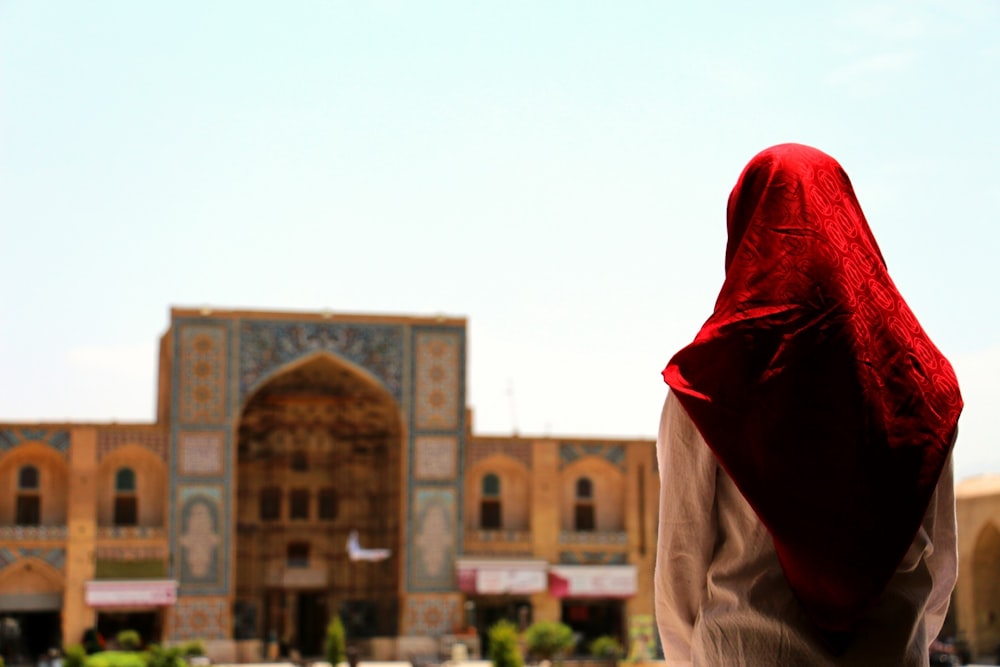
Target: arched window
pixel 270 503
pixel 298 504
pixel 125 480
pixel 327 500
pixel 490 515
pixel 27 478
pixel 584 507
pixel 297 554
pixel 29 501
pixel 300 462
pixel 126 509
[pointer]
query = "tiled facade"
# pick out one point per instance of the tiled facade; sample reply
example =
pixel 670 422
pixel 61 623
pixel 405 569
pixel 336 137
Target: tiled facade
pixel 478 527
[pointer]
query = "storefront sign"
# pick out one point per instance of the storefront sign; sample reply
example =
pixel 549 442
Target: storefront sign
pixel 510 581
pixel 597 581
pixel 147 593
pixel 501 577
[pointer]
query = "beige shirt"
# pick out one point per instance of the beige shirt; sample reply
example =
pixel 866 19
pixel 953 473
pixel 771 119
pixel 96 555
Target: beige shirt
pixel 722 599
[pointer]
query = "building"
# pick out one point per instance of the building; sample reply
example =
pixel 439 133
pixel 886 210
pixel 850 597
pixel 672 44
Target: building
pixel 975 607
pixel 278 435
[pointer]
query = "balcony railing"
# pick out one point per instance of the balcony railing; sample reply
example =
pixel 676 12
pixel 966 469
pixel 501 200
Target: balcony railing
pixel 131 532
pixel 607 538
pixel 39 533
pixel 498 535
pixel 505 543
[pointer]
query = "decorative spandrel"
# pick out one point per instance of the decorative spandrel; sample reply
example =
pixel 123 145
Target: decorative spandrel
pixel 266 346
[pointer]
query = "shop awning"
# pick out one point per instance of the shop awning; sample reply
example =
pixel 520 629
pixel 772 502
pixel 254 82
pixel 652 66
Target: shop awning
pixel 499 576
pixel 592 581
pixel 135 593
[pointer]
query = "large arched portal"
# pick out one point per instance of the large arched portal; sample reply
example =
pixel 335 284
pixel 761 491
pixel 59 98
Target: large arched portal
pixel 319 448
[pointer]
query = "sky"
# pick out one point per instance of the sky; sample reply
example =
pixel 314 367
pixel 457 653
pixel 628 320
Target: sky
pixel 555 172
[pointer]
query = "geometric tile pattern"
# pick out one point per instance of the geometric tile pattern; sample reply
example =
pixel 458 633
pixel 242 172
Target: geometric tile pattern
pixel 432 616
pixel 519 450
pixel 570 452
pixel 201 536
pixel 436 381
pixel 200 617
pixel 12 437
pixel 201 453
pixel 108 440
pixel 436 457
pixel 433 541
pixel 54 557
pixel 267 345
pixel 203 374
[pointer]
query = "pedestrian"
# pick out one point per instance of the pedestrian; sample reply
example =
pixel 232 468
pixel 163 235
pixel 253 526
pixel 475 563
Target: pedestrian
pixel 807 512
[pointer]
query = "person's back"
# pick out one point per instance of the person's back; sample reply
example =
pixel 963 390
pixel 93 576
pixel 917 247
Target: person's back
pixel 807 510
pixel 747 614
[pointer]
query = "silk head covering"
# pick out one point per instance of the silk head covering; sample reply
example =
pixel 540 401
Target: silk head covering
pixel 815 386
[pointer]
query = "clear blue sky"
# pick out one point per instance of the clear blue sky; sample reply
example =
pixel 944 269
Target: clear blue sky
pixel 556 172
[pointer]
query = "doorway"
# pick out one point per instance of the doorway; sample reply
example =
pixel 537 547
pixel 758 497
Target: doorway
pixel 310 614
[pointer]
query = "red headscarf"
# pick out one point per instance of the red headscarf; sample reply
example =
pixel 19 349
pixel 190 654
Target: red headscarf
pixel 816 387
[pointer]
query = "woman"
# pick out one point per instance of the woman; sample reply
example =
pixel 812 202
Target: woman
pixel 807 509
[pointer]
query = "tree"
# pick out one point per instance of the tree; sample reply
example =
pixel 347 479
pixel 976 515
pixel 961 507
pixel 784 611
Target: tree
pixel 336 642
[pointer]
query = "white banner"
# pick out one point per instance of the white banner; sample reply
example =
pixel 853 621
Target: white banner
pixel 489 580
pixel 148 593
pixel 593 581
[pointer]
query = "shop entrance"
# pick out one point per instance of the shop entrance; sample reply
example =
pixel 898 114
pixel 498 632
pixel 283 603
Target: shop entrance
pixel 491 609
pixel 591 619
pixel 27 635
pixel 145 622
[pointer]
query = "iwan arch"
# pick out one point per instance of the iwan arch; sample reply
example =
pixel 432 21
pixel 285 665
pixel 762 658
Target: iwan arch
pixel 277 435
pixel 287 433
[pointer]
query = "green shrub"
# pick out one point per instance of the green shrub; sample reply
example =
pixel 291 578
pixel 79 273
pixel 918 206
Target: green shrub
pixel 193 648
pixel 157 656
pixel 504 651
pixel 1 661
pixel 335 649
pixel 74 656
pixel 115 659
pixel 606 647
pixel 129 640
pixel 549 639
